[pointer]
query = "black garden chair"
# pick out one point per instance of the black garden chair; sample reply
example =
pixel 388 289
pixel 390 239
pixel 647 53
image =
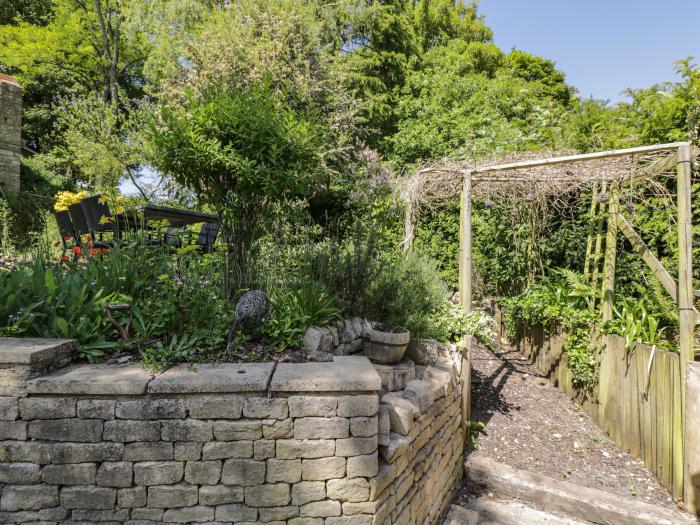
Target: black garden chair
pixel 66 230
pixel 207 236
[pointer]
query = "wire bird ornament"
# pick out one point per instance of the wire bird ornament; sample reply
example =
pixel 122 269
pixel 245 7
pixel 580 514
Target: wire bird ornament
pixel 252 309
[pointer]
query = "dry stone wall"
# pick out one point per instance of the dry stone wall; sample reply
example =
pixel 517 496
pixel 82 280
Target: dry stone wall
pixel 10 133
pixel 295 444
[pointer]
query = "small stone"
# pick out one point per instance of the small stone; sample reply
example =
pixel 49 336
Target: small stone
pixel 88 498
pixel 243 472
pixel 203 472
pixel 100 516
pixel 13 430
pixel 220 495
pixel 420 393
pixel 78 474
pixel 21 473
pixel 276 429
pixel 287 470
pixel 96 409
pixel 320 509
pixel 188 451
pixel 314 448
pixel 158 472
pixel 115 474
pixel 364 426
pixel 172 496
pixel 227 449
pixel 85 452
pixel 238 430
pixel 216 407
pixel 400 420
pixel 151 409
pixel 127 431
pixel 321 428
pixel 307 491
pixel 274 495
pixel 306 406
pixel 9 408
pixel 79 430
pixel 26 452
pixel 363 466
pixel 354 490
pixel 28 497
pixel 149 451
pixel 47 408
pixel 196 514
pixel 278 513
pixel 236 513
pixel 131 497
pixel 322 469
pixel 358 405
pixel 264 449
pixel 186 430
pixel 355 446
pixel 263 407
pixel 147 514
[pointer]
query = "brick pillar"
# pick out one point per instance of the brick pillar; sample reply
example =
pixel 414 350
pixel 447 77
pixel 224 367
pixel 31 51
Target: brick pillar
pixel 10 133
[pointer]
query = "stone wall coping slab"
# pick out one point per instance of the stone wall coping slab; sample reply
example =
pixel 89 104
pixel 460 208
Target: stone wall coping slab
pixel 26 351
pixel 93 380
pixel 213 378
pixel 343 374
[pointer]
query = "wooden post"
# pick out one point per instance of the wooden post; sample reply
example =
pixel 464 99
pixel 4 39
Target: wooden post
pixel 610 254
pixel 598 245
pixel 465 289
pixel 686 314
pixel 409 223
pixel 589 243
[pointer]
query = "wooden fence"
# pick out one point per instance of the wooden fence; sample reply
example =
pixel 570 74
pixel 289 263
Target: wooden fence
pixel 637 400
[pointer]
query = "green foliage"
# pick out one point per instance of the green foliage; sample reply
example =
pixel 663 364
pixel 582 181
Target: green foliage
pixel 636 325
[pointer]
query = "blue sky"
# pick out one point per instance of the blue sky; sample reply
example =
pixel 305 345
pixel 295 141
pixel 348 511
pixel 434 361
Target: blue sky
pixel 602 46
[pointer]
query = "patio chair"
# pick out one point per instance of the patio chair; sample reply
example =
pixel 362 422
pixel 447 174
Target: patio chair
pixel 66 229
pixel 80 223
pixel 171 237
pixel 207 236
pixel 94 211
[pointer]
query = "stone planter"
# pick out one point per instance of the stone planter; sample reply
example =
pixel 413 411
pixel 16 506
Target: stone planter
pixel 386 347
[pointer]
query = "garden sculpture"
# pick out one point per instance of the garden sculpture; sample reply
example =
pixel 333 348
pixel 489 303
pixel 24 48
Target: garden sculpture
pixel 252 309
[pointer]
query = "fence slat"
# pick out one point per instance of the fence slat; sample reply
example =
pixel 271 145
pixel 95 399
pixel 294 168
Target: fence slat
pixel 677 430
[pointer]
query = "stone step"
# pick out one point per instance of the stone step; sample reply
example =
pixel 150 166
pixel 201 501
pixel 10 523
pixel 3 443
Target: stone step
pixel 583 503
pixel 498 512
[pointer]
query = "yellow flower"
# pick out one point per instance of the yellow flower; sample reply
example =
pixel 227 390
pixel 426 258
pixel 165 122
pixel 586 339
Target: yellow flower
pixel 103 199
pixel 120 209
pixel 104 220
pixel 163 277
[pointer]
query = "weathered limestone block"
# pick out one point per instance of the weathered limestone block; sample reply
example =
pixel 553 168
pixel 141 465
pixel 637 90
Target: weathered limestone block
pixel 220 495
pixel 358 405
pixel 227 449
pixel 273 495
pixel 396 399
pixel 264 407
pixel 95 380
pixel 13 430
pixel 26 452
pixel 213 378
pixel 195 514
pixel 203 472
pixel 243 472
pixel 277 429
pixel 236 513
pixel 96 409
pixel 146 514
pixel 79 430
pixel 400 419
pixel 345 373
pixel 188 451
pixel 28 497
pixel 115 474
pixel 9 408
pixel 88 497
pixel 421 393
pixel 286 470
pixel 355 446
pixel 47 407
pixel 85 452
pixel 320 509
pixel 363 466
pixel 100 516
pixel 358 519
pixel 356 489
pixel 395 377
pixel 238 430
pixel 305 521
pixel 131 497
pixel 151 409
pixel 312 448
pixel 126 431
pixel 158 472
pixel 317 340
pixel 75 474
pixel 263 449
pixel 278 513
pixel 148 451
pixel 307 491
pixel 363 426
pixel 19 473
pixel 381 481
pixel 172 496
pixel 216 407
pixel 322 469
pixel 186 430
pixel 310 406
pixel 321 428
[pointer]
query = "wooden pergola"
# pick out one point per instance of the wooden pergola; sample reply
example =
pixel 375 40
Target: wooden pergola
pixel 532 179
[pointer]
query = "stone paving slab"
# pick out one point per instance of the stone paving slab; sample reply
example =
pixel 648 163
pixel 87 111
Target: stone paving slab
pixel 27 351
pixel 210 378
pixel 93 380
pixel 344 374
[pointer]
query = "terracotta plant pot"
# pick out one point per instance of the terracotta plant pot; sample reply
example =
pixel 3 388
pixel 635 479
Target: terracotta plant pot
pixel 386 346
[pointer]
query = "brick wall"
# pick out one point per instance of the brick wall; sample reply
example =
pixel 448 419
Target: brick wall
pixel 10 133
pixel 297 444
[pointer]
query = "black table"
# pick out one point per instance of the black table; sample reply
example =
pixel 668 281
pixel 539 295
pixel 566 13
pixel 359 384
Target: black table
pixel 176 217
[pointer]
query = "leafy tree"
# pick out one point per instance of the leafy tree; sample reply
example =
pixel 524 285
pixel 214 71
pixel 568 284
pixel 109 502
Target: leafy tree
pixel 241 152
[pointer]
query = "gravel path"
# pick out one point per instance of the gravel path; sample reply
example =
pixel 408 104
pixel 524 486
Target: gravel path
pixel 531 425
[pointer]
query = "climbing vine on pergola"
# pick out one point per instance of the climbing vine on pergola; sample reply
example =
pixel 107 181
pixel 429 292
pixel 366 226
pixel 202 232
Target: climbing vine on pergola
pixel 524 179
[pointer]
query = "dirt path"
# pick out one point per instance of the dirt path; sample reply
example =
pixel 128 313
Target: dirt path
pixel 531 425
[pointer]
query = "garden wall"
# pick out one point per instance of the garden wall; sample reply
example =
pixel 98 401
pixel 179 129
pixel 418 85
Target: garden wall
pixel 637 405
pixel 10 133
pixel 297 444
